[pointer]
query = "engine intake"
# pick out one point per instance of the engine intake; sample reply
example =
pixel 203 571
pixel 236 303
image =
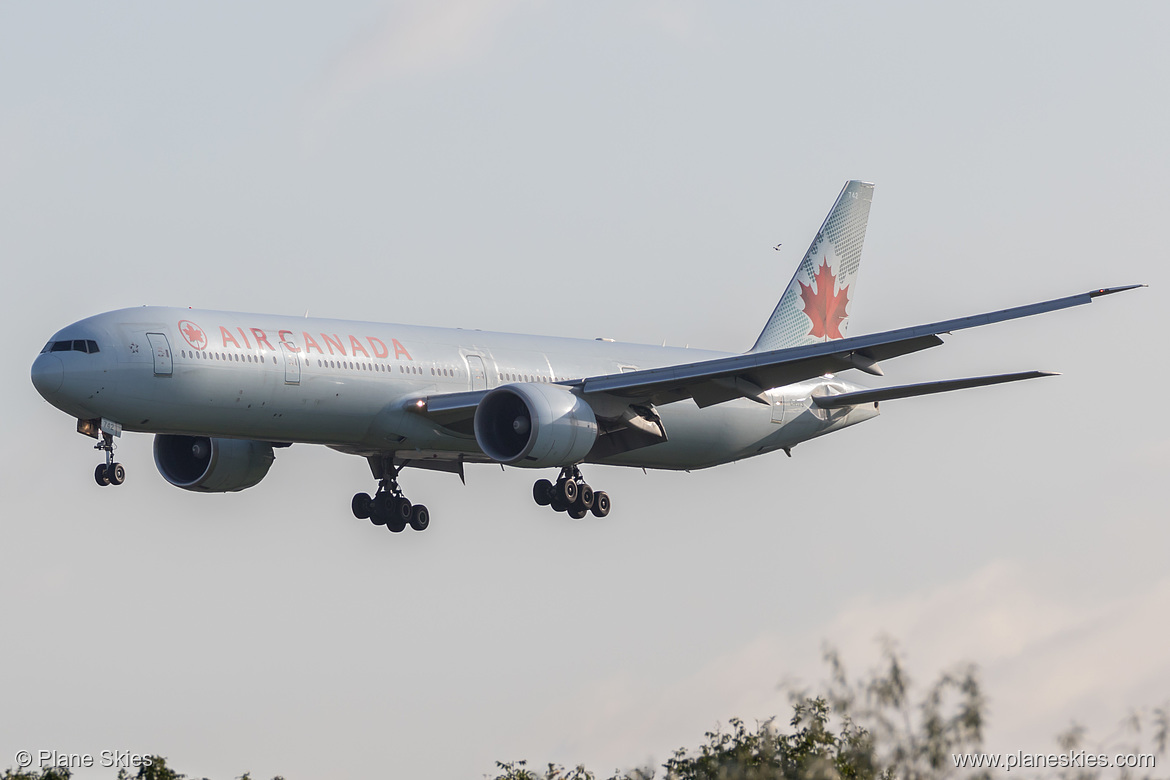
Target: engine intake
pixel 211 465
pixel 534 426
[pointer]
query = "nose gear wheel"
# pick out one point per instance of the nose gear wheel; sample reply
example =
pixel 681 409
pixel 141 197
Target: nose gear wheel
pixel 110 472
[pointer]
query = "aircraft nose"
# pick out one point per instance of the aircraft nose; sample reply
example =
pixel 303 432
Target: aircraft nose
pixel 48 372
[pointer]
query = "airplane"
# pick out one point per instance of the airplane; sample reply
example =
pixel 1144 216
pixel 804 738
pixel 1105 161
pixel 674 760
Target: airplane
pixel 221 391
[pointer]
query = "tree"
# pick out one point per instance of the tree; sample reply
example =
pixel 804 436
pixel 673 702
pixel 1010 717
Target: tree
pixel 48 773
pixel 871 728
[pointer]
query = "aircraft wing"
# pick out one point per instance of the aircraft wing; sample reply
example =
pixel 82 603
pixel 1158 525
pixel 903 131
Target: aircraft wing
pixel 748 375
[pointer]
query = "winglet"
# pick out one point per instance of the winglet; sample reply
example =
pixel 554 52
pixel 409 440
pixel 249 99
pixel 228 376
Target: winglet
pixel 1111 290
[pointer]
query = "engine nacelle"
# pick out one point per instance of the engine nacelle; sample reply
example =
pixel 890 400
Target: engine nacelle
pixel 534 426
pixel 211 465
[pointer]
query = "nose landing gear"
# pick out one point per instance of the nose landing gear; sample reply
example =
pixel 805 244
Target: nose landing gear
pixel 389 507
pixel 108 473
pixel 571 494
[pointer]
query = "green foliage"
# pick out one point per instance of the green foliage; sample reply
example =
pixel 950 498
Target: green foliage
pixel 814 750
pixel 48 773
pixel 915 739
pixel 518 770
pixel 156 770
pixel 871 728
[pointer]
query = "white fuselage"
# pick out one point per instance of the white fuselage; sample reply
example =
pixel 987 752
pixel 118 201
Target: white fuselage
pixel 348 384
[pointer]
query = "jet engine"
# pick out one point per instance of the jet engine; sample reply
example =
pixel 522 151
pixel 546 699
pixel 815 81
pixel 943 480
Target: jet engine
pixel 534 426
pixel 211 465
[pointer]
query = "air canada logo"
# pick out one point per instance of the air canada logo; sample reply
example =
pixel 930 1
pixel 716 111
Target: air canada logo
pixel 825 308
pixel 193 333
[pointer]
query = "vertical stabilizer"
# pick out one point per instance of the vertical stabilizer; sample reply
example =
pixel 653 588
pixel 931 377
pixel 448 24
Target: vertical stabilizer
pixel 819 299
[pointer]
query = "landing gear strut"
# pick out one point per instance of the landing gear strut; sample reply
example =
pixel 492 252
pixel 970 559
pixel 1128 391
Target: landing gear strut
pixel 388 506
pixel 572 494
pixel 108 473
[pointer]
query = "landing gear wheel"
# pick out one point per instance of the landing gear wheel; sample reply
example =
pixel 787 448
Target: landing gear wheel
pixel 542 492
pixel 389 507
pixel 400 513
pixel 100 476
pixel 600 504
pixel 361 506
pixel 395 524
pixel 572 494
pixel 116 473
pixel 379 509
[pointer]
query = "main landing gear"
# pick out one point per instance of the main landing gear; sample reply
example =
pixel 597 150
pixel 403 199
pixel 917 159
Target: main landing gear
pixel 570 493
pixel 108 473
pixel 389 507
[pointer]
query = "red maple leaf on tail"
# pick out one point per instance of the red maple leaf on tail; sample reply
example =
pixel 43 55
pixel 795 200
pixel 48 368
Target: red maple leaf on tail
pixel 825 308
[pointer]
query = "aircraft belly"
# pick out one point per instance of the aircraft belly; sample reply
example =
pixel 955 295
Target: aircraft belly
pixel 700 438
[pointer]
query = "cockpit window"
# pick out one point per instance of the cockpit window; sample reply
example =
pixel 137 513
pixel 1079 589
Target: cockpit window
pixel 76 345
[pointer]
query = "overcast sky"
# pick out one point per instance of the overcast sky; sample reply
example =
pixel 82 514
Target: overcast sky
pixel 617 169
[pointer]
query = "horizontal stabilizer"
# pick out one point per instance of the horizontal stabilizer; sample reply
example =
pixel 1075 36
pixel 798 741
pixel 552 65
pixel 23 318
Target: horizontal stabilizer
pixel 925 388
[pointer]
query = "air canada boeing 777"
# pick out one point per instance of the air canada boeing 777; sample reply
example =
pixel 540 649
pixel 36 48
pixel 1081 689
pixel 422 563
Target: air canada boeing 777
pixel 221 390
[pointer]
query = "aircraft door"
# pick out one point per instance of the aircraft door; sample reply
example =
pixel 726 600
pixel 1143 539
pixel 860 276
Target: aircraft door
pixel 292 365
pixel 476 370
pixel 777 408
pixel 161 349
